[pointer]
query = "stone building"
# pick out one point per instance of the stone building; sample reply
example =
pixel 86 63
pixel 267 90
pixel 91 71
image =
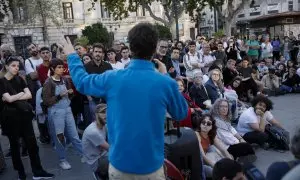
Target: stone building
pixel 274 17
pixel 74 16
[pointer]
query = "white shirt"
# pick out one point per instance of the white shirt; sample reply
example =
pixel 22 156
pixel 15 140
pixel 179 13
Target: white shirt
pixel 118 65
pixel 188 60
pixel 249 117
pixel 35 63
pixel 226 133
pixel 125 62
pixel 207 60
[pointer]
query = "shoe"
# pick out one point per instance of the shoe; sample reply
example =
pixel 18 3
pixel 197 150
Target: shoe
pixel 43 141
pixel 24 154
pixel 65 165
pixel 8 155
pixel 22 176
pixel 247 159
pixel 42 175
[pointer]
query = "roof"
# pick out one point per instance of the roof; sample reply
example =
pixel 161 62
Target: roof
pixel 277 15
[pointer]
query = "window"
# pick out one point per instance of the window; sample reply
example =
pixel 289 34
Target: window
pixel 20 14
pixel 290 7
pixel 104 12
pixel 241 15
pixel 68 10
pixel 273 12
pixel 254 13
pixel 140 11
pixel 21 44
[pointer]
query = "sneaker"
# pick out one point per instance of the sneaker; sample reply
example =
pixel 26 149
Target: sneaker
pixel 24 154
pixel 8 155
pixel 65 165
pixel 42 175
pixel 22 176
pixel 266 146
pixel 43 141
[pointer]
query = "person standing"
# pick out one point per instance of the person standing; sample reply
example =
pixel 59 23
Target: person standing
pixel 134 139
pixel 96 66
pixel 253 46
pixel 17 120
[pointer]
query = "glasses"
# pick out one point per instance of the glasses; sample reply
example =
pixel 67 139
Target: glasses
pixel 163 47
pixel 216 74
pixel 206 123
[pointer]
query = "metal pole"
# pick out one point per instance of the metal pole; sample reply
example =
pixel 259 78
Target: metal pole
pixel 215 20
pixel 176 18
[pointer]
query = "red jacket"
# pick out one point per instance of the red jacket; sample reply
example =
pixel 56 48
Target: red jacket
pixel 187 122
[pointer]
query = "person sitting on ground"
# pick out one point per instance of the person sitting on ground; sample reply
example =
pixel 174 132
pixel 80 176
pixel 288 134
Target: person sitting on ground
pixel 291 81
pixel 206 131
pixel 199 94
pixel 111 54
pixel 235 144
pixel 280 71
pixel 94 143
pixel 271 83
pixel 252 122
pixel 229 72
pixel 228 169
pixel 214 86
pixel 278 169
pixel 262 68
pixel 193 108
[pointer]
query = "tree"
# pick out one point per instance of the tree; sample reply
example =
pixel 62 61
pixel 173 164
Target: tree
pixel 121 8
pixel 45 11
pixel 96 33
pixel 83 40
pixel 163 31
pixel 227 9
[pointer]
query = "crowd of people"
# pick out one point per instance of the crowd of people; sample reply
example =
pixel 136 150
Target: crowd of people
pixel 105 101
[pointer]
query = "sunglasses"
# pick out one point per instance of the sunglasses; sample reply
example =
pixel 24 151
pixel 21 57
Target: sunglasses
pixel 206 123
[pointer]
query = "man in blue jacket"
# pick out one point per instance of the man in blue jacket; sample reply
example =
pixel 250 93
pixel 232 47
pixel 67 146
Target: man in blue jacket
pixel 138 98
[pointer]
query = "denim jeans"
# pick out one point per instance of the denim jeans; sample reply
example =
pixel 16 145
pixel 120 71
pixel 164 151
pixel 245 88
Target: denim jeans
pixel 285 88
pixel 61 121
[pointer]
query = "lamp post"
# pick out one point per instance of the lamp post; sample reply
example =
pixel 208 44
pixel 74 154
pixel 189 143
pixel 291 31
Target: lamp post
pixel 175 8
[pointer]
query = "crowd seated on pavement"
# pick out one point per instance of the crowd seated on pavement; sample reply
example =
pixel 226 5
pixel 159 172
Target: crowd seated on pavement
pixel 220 80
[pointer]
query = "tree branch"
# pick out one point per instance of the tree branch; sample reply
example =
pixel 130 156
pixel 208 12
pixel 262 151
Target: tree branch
pixel 238 9
pixel 148 8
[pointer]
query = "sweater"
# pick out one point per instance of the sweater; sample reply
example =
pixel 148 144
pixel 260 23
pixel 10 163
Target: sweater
pixel 138 99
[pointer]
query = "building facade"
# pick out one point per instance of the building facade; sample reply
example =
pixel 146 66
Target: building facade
pixel 274 17
pixel 73 17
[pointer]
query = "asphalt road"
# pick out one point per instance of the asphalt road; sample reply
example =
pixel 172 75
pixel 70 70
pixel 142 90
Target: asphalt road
pixel 286 110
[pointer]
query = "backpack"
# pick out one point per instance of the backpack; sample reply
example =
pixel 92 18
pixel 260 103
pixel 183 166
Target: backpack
pixel 278 137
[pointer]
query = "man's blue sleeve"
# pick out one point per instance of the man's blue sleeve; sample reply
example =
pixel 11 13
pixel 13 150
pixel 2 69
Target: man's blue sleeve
pixel 177 106
pixel 88 84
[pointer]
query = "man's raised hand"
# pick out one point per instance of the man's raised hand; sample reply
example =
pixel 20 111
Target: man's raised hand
pixel 67 45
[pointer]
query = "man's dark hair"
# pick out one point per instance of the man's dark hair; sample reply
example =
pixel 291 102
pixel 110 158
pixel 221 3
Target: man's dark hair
pixel 220 43
pixel 176 44
pixel 143 40
pixel 226 168
pixel 192 43
pixel 175 48
pixel 99 45
pixel 272 70
pixel 53 64
pixel 11 59
pixel 198 35
pixel 263 99
pixel 111 50
pixel 124 48
pixel 246 58
pixel 44 48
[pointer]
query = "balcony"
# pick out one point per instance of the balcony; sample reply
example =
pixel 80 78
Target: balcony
pixel 73 21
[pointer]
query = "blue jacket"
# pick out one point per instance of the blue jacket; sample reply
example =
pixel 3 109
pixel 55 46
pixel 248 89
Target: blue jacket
pixel 138 98
pixel 212 91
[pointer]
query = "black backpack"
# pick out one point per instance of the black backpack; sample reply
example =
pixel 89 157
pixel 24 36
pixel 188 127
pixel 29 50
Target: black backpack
pixel 278 138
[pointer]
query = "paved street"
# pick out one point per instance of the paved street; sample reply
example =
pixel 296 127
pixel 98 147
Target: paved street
pixel 286 110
